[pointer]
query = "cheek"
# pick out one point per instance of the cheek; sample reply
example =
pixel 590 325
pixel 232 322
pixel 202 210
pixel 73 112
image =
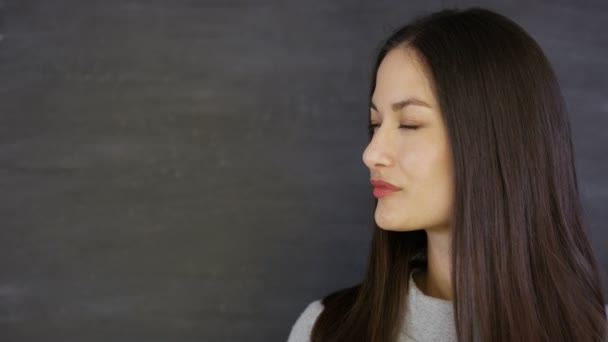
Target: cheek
pixel 428 180
pixel 426 169
pixel 421 162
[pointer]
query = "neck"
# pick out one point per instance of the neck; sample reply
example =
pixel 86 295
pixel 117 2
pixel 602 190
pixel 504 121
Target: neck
pixel 436 280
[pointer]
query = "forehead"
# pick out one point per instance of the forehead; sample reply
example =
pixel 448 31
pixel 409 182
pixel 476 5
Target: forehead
pixel 401 74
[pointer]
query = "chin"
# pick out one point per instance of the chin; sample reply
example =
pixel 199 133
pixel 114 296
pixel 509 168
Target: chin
pixel 390 228
pixel 387 225
pixel 394 224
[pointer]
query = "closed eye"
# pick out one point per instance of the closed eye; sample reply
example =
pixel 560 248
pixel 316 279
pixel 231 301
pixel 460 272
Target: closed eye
pixel 371 127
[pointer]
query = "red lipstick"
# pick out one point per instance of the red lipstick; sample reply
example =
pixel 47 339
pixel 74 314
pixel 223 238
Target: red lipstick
pixel 382 188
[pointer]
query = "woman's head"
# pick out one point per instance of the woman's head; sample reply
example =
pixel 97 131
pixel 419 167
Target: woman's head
pixel 495 109
pixel 492 159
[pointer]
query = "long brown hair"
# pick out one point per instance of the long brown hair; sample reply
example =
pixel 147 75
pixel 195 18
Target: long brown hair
pixel 523 268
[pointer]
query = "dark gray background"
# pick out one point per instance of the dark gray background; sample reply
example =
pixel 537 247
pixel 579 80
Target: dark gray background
pixel 191 170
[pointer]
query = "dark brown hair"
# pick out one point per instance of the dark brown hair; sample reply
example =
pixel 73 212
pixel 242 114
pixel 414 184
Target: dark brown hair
pixel 523 268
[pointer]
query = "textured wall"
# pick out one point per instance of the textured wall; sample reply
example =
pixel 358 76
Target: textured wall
pixel 191 170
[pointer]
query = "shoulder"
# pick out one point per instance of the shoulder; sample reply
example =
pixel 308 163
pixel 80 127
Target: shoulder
pixel 301 329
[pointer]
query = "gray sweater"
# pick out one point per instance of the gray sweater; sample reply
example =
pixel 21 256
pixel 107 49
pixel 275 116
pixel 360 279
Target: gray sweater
pixel 432 321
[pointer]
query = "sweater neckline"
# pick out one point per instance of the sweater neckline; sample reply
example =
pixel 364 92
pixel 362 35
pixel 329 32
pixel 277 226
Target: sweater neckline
pixel 428 318
pixel 424 298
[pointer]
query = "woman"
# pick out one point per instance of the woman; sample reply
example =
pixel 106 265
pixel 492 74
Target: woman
pixel 479 230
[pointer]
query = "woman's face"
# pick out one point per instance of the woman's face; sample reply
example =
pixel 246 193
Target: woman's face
pixel 418 161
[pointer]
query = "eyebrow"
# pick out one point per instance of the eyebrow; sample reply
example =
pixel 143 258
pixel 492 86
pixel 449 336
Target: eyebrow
pixel 402 104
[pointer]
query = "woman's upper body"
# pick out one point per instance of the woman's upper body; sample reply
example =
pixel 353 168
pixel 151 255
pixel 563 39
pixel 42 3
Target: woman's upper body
pixel 470 154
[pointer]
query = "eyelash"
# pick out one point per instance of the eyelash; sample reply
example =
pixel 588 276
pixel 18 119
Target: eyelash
pixel 372 126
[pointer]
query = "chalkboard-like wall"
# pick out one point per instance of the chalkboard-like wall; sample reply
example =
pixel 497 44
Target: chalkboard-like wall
pixel 191 170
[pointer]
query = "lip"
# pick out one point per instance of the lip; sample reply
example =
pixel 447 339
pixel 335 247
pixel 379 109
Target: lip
pixel 382 188
pixel 384 185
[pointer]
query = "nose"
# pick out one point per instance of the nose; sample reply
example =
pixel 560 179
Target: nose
pixel 377 152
